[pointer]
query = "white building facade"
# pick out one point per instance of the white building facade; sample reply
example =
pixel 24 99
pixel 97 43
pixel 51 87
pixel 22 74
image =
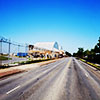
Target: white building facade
pixel 44 49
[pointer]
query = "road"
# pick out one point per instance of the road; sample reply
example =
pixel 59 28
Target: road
pixel 13 59
pixel 65 79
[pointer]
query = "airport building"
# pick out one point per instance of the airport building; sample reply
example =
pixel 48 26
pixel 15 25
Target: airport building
pixel 45 50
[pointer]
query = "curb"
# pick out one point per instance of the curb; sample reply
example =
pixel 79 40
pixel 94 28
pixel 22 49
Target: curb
pixel 89 63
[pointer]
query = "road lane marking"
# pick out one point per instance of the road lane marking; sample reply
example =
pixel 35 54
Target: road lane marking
pixel 69 62
pixel 13 89
pixel 84 70
pixel 34 78
pixel 39 75
pixel 55 90
pixel 86 75
pixel 94 82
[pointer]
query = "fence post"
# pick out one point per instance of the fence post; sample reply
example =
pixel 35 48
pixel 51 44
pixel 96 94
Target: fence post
pixel 9 49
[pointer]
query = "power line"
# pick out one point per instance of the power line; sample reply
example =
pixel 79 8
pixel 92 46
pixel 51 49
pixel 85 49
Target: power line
pixel 9 42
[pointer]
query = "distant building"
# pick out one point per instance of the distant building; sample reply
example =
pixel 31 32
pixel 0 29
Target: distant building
pixel 44 49
pixel 52 46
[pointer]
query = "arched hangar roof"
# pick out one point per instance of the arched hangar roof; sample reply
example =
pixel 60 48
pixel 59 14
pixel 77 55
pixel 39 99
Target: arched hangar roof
pixel 48 45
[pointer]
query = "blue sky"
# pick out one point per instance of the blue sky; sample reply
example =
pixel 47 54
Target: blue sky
pixel 72 23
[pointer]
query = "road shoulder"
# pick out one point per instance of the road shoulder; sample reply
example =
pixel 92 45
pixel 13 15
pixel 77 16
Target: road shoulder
pixel 22 68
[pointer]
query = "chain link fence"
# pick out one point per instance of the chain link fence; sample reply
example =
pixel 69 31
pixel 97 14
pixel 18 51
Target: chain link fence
pixel 9 50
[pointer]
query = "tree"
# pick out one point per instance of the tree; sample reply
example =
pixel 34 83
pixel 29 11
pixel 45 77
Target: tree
pixel 87 53
pixel 92 55
pixel 67 53
pixel 80 52
pixel 74 54
pixel 97 47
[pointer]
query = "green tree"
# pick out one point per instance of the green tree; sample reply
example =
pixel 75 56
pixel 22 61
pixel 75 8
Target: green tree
pixel 80 52
pixel 87 53
pixel 67 53
pixel 97 47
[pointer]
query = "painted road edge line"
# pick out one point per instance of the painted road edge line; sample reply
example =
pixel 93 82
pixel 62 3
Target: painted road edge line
pixel 13 89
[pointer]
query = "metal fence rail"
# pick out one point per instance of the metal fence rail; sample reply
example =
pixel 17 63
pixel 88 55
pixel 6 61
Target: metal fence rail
pixel 11 47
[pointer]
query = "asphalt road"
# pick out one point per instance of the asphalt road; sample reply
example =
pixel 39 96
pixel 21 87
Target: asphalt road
pixel 14 59
pixel 65 79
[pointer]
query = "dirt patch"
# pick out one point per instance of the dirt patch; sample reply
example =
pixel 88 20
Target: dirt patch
pixel 11 72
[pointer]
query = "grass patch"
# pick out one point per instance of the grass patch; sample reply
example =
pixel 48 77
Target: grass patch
pixel 4 58
pixel 33 61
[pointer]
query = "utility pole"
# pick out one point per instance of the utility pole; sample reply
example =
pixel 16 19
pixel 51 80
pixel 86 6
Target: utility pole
pixel 18 48
pixel 9 49
pixel 0 51
pixel 26 48
pixel 1 46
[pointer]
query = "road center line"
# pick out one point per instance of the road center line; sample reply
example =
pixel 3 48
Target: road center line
pixel 69 62
pixel 13 89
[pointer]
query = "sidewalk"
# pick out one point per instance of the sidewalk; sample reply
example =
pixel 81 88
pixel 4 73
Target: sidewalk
pixel 22 68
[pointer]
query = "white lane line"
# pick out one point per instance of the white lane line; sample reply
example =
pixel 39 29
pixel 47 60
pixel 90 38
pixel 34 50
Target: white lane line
pixel 34 78
pixel 13 89
pixel 86 75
